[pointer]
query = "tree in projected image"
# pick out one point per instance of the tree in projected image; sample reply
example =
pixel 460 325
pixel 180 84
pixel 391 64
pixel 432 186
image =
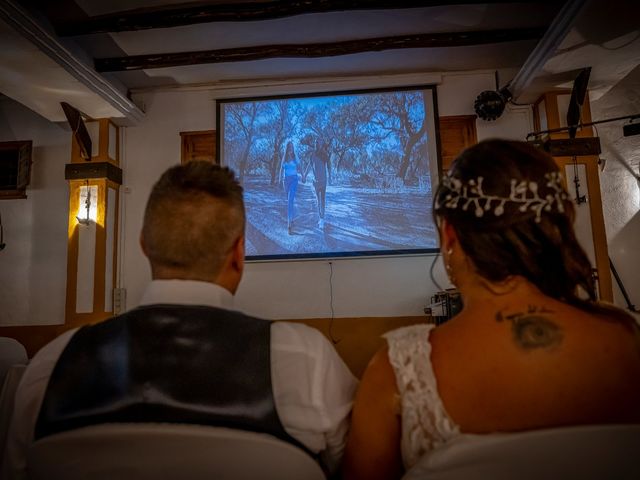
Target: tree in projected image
pixel 241 129
pixel 404 116
pixel 365 135
pixel 276 132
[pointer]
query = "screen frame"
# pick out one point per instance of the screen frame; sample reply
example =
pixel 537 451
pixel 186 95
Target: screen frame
pixel 332 93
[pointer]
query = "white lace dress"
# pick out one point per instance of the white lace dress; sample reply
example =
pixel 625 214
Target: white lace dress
pixel 425 423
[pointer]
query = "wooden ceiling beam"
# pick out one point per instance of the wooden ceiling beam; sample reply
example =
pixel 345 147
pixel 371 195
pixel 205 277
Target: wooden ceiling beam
pixel 314 50
pixel 206 12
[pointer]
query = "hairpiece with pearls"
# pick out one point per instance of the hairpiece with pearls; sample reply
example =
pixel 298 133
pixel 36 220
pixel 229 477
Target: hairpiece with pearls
pixel 525 193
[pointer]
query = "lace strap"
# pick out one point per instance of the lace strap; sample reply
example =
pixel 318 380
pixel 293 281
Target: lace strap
pixel 425 422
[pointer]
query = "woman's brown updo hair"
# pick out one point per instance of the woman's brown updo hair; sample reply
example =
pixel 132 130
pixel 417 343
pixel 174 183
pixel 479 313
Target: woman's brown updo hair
pixel 545 252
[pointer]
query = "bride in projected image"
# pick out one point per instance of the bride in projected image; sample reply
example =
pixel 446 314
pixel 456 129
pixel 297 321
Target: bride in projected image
pixel 289 171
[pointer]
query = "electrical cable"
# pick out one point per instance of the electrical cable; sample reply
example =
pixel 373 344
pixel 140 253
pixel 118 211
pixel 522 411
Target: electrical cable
pixel 333 339
pixel 431 275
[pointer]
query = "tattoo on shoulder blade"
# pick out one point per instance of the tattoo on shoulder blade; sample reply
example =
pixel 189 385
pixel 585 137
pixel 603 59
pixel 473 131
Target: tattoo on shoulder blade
pixel 532 329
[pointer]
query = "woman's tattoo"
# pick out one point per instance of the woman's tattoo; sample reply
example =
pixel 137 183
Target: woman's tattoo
pixel 532 329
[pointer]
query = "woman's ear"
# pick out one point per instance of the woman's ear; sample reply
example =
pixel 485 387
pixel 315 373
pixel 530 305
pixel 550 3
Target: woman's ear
pixel 448 236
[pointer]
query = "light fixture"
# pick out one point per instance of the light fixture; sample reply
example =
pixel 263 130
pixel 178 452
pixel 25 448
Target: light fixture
pixel 490 104
pixel 88 212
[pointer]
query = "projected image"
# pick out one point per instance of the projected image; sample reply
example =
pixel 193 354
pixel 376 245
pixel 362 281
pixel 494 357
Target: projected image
pixel 347 174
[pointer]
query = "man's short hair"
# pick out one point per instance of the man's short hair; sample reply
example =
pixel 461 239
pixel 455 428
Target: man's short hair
pixel 194 215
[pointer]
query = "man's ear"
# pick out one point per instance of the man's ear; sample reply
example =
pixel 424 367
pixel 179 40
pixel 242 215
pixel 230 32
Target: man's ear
pixel 238 254
pixel 143 245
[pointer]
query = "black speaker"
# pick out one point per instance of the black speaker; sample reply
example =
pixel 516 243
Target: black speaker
pixel 631 129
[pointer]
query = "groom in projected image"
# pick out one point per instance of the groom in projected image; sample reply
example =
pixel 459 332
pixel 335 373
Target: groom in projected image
pixel 320 162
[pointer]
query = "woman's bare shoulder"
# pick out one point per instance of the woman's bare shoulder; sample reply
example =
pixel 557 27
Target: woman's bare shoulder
pixel 536 364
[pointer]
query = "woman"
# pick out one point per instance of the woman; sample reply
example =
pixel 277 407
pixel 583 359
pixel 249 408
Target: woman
pixel 289 174
pixel 531 348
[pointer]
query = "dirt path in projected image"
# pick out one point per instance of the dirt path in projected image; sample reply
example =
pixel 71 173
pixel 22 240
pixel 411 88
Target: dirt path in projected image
pixel 355 220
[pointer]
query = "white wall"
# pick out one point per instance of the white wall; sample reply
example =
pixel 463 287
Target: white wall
pixel 393 286
pixel 33 266
pixel 620 190
pixel 34 263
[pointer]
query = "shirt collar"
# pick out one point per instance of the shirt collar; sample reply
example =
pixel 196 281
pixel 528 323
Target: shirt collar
pixel 187 292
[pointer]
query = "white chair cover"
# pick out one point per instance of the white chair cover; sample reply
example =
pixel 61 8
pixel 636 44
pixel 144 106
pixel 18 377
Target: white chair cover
pixel 585 453
pixel 12 352
pixel 167 451
pixel 7 399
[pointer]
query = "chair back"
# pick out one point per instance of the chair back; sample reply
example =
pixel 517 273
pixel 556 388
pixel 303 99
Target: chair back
pixel 12 352
pixel 7 401
pixel 585 453
pixel 167 451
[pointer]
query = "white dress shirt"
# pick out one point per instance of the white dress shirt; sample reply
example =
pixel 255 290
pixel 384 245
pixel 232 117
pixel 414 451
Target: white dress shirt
pixel 312 386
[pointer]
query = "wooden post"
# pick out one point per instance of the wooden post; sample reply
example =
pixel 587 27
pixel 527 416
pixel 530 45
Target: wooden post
pixel 93 231
pixel 550 112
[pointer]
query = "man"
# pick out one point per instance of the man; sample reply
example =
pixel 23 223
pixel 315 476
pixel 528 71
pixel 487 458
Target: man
pixel 321 165
pixel 185 343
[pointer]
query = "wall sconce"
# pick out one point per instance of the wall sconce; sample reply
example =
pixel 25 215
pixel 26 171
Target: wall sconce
pixel 88 210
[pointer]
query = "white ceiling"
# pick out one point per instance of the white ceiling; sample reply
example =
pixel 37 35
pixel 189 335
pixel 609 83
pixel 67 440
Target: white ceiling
pixel 606 36
pixel 32 78
pixel 324 27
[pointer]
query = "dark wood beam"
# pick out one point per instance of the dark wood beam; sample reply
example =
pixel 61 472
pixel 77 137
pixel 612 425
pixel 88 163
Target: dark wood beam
pixel 206 12
pixel 314 50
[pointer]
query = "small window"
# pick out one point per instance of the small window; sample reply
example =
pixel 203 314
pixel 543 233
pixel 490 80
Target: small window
pixel 456 134
pixel 15 169
pixel 200 145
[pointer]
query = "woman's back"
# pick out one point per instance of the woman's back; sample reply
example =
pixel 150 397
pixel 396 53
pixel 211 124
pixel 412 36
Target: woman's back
pixel 532 347
pixel 535 363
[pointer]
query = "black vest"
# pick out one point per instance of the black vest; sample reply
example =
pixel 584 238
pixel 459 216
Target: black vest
pixel 165 363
